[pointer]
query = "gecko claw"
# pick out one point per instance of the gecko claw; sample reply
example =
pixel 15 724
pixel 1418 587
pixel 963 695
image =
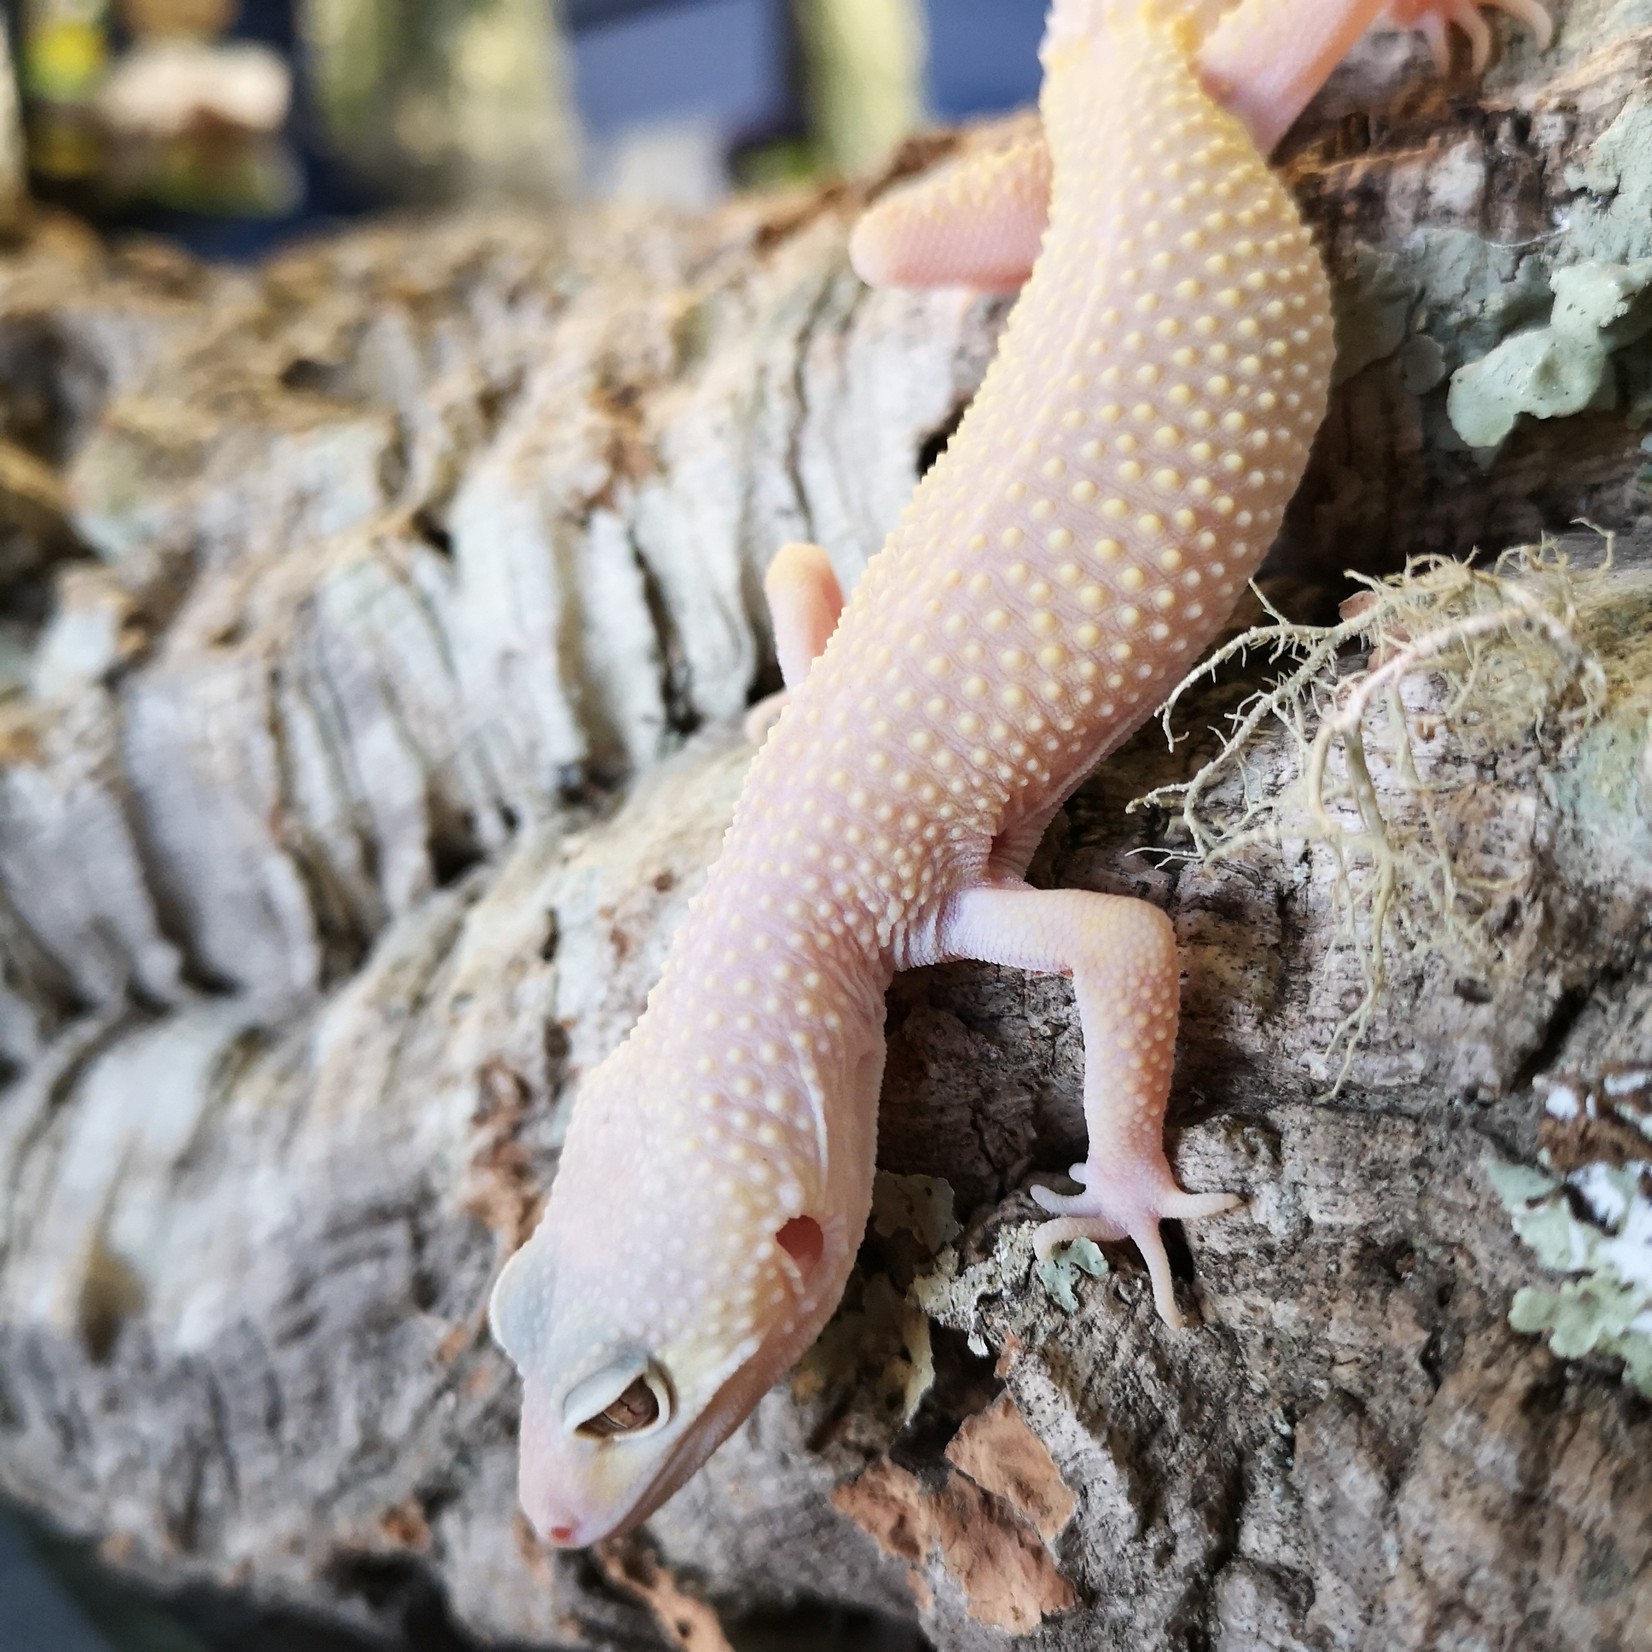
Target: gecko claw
pixel 1121 1212
pixel 1434 20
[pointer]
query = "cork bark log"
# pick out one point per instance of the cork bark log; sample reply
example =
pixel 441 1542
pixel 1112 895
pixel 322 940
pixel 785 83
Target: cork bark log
pixel 376 629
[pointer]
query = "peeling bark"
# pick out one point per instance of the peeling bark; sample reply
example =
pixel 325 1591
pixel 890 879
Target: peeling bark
pixel 363 776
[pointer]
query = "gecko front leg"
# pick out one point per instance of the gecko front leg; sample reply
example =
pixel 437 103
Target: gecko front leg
pixel 1121 955
pixel 976 222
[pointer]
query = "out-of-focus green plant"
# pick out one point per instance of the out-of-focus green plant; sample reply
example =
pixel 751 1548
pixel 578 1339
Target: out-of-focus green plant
pixel 445 100
pixel 864 68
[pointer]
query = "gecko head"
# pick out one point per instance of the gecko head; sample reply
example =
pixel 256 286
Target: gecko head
pixel 660 1297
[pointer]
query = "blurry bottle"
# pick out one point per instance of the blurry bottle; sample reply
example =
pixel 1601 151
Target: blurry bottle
pixel 445 100
pixel 166 105
pixel 865 69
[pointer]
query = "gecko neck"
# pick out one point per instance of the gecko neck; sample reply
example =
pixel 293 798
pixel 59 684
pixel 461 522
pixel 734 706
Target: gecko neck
pixel 786 1021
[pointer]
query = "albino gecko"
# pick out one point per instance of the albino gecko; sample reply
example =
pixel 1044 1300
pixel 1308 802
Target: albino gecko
pixel 1114 484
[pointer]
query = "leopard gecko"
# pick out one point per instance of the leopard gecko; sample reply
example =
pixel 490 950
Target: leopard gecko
pixel 1113 485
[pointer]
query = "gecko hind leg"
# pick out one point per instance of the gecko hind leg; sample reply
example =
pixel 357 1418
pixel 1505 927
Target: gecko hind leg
pixel 975 222
pixel 1121 955
pixel 805 603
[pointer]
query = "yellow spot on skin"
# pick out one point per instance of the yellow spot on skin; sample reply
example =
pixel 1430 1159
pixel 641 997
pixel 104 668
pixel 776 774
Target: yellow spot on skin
pixel 996 619
pixel 1082 492
pixel 1132 579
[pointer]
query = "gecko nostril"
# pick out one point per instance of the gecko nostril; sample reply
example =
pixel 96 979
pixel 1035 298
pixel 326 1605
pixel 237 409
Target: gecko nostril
pixel 804 1242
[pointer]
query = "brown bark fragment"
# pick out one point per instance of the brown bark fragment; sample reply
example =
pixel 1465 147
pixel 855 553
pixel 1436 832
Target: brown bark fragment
pixel 998 1451
pixel 996 1557
pixel 687 1622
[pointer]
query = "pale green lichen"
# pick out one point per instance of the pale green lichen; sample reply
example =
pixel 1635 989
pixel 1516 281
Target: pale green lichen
pixel 1507 643
pixel 1592 1224
pixel 956 1295
pixel 1066 1263
pixel 1546 328
pixel 1563 367
pixel 1458 291
pixel 1610 221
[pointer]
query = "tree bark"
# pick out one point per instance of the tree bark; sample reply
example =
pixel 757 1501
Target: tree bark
pixel 360 774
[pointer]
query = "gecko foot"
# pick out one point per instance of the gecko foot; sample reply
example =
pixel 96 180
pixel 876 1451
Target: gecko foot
pixel 1128 1206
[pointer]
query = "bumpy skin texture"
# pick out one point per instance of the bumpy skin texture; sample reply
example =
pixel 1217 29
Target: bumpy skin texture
pixel 1115 482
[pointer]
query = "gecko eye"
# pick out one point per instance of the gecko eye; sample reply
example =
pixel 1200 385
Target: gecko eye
pixel 629 1398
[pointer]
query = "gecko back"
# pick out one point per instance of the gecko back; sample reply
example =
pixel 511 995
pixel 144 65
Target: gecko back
pixel 1115 482
pixel 1118 476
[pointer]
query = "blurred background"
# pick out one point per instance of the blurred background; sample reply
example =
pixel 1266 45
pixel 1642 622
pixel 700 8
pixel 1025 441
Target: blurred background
pixel 231 125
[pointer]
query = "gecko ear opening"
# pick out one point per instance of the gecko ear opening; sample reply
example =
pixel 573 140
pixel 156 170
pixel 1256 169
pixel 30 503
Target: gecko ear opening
pixel 804 1241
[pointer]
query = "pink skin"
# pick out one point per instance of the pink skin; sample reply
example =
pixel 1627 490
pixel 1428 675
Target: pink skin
pixel 1114 483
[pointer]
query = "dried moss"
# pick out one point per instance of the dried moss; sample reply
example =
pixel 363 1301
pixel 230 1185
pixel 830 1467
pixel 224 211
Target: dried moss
pixel 1462 664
